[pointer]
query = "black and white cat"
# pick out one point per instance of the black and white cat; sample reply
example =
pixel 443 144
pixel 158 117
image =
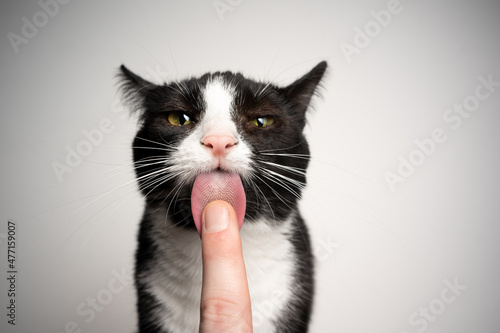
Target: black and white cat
pixel 246 137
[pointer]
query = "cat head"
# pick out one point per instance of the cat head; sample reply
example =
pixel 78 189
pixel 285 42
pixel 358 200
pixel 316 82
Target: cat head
pixel 221 122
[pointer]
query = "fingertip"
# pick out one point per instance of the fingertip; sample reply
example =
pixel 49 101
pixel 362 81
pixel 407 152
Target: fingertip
pixel 217 216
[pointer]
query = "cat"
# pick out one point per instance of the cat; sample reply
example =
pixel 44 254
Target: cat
pixel 246 137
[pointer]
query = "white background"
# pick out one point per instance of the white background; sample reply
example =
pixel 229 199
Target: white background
pixel 382 256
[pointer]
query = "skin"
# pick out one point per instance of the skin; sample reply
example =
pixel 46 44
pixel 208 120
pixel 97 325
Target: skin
pixel 225 300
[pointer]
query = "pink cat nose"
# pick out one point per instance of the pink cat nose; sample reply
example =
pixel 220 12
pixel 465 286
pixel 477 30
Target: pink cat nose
pixel 219 144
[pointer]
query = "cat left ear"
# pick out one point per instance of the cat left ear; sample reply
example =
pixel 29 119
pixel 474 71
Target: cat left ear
pixel 300 92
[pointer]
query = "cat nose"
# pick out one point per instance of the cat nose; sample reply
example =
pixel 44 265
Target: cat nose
pixel 219 144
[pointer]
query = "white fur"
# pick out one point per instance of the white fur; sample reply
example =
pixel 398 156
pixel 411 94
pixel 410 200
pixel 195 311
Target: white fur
pixel 192 157
pixel 177 277
pixel 219 105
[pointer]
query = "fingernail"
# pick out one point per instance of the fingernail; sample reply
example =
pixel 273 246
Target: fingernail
pixel 215 218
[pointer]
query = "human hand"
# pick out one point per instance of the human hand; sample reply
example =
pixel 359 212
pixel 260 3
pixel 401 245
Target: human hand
pixel 225 300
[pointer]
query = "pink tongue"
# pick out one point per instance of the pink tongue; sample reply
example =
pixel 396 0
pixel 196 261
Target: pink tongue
pixel 213 186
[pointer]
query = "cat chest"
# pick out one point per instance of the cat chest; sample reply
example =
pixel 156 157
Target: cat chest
pixel 176 278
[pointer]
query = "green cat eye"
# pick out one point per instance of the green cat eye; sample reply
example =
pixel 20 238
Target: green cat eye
pixel 177 118
pixel 262 121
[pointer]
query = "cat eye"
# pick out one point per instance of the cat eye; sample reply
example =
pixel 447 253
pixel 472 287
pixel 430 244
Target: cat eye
pixel 178 118
pixel 262 121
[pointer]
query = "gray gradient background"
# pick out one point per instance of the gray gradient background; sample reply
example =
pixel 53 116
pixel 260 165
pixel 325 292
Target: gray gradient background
pixel 389 253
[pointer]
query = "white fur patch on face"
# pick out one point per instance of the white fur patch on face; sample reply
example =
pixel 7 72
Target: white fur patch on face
pixel 192 157
pixel 219 106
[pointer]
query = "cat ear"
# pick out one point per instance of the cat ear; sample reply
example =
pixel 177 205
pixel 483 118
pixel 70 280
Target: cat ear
pixel 134 88
pixel 299 93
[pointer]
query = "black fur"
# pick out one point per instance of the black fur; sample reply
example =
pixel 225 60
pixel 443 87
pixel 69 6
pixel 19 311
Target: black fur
pixel 287 105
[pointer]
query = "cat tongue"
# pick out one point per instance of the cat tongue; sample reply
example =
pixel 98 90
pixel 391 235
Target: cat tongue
pixel 217 185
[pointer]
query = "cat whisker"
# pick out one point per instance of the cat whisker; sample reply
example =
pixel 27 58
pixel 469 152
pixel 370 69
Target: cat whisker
pixel 147 177
pixel 57 224
pixel 134 165
pixel 255 186
pixel 261 93
pixel 123 185
pixel 177 188
pixel 156 148
pixel 299 156
pixel 299 171
pixel 272 176
pixel 164 143
pixel 280 183
pixel 324 162
pixel 150 164
pixel 279 196
pixel 178 89
pixel 158 181
pixel 128 195
pixel 156 142
pixel 128 147
pixel 280 149
pixel 295 182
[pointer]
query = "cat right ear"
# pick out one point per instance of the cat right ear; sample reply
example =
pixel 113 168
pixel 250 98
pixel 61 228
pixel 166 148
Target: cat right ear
pixel 134 89
pixel 300 92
